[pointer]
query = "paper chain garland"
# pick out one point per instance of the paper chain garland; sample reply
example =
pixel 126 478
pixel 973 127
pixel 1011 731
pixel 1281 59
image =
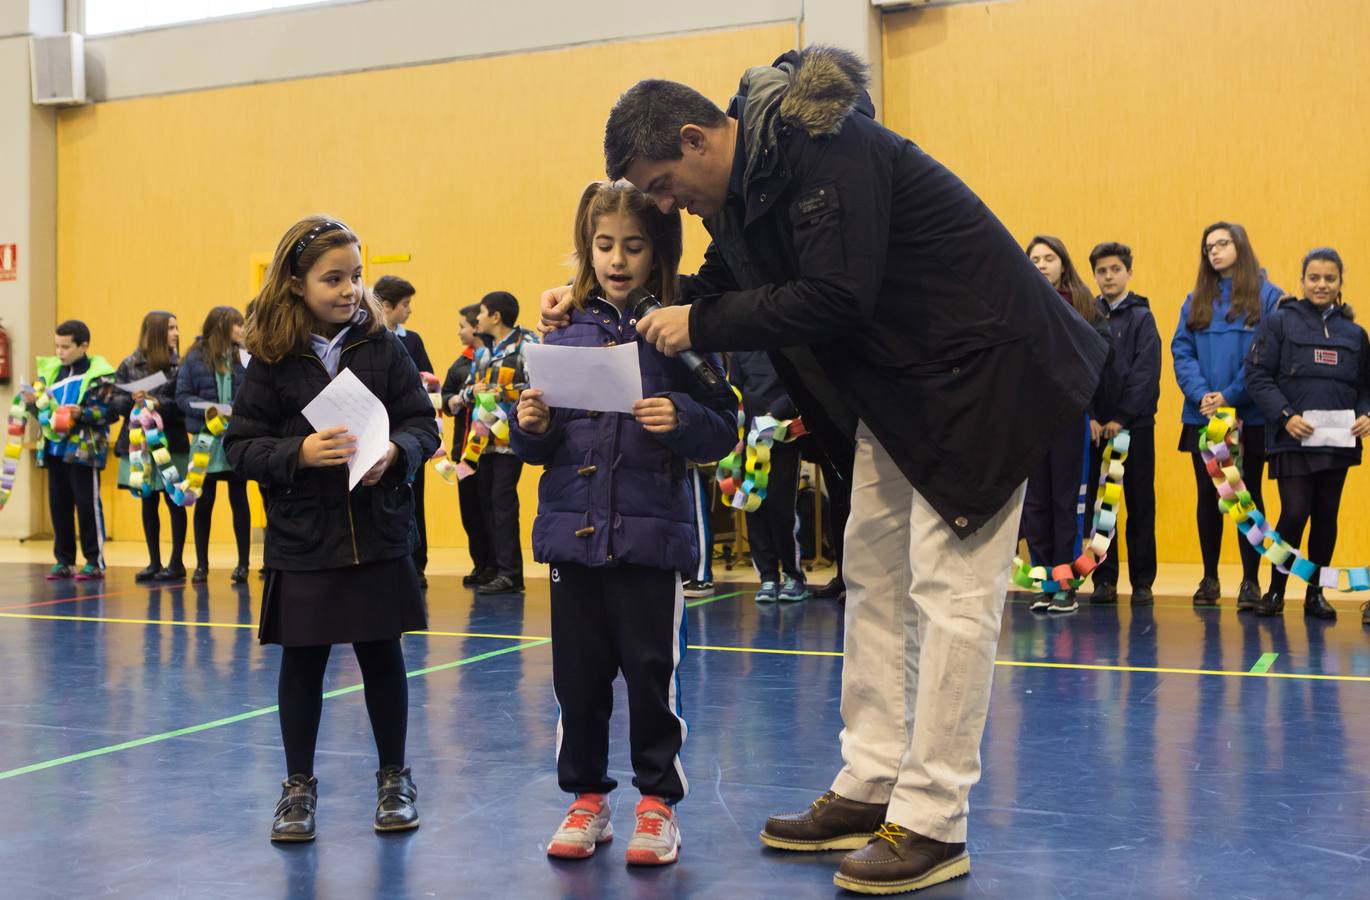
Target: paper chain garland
pixel 57 422
pixel 744 474
pixel 487 418
pixel 14 448
pixel 1069 576
pixel 1220 447
pixel 187 492
pixel 147 451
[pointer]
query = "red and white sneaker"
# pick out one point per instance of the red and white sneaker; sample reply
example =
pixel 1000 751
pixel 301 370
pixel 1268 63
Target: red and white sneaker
pixel 586 826
pixel 656 840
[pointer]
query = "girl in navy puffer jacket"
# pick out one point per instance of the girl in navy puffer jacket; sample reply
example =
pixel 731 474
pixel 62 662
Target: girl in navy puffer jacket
pixel 615 521
pixel 1310 355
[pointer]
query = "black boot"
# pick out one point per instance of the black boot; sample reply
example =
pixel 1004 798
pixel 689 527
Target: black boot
pixel 1315 605
pixel 1247 595
pixel 395 798
pixel 295 811
pixel 1271 603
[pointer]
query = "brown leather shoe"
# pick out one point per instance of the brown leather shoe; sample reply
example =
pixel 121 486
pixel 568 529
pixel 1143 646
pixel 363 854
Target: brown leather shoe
pixel 831 823
pixel 898 860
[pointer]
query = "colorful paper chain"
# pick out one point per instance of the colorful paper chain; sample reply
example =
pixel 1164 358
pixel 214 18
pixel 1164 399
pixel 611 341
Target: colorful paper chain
pixel 1220 446
pixel 14 448
pixel 57 422
pixel 1069 576
pixel 744 474
pixel 188 491
pixel 147 450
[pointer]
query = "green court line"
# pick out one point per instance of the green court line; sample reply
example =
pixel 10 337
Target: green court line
pixel 712 599
pixel 264 711
pixel 1265 662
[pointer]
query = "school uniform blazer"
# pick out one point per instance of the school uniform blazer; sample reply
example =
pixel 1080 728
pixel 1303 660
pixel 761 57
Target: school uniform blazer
pixel 313 522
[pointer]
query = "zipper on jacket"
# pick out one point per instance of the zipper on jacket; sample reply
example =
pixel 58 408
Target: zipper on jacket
pixel 351 526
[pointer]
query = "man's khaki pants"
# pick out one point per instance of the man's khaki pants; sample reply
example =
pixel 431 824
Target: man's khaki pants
pixel 922 623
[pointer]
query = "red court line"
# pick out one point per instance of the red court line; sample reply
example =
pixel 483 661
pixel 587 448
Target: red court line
pixel 99 596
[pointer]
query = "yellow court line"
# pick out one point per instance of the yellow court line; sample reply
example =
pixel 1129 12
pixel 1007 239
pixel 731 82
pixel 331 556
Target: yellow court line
pixel 529 637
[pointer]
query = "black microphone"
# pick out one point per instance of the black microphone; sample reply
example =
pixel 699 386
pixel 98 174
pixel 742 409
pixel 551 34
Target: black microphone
pixel 643 301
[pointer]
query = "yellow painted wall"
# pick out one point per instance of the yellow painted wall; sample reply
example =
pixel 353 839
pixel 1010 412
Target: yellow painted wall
pixel 1143 121
pixel 473 167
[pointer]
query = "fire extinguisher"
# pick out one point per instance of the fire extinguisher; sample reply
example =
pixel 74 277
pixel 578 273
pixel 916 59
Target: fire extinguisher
pixel 4 355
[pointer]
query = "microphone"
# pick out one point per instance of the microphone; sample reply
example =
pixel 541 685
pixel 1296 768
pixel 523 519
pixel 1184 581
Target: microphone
pixel 641 301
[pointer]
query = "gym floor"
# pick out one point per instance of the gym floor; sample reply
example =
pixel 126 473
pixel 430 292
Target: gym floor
pixel 1166 752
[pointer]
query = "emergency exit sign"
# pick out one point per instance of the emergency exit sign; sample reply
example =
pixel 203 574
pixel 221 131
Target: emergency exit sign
pixel 9 262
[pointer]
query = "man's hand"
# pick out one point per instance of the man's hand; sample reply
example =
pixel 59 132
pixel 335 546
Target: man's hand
pixel 668 329
pixel 657 415
pixel 533 415
pixel 374 473
pixel 1111 430
pixel 555 307
pixel 1095 430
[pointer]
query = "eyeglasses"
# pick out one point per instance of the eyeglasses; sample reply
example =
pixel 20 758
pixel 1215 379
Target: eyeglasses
pixel 1219 244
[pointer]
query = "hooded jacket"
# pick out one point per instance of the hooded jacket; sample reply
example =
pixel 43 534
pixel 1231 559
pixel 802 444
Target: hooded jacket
pixel 1136 361
pixel 1213 359
pixel 886 291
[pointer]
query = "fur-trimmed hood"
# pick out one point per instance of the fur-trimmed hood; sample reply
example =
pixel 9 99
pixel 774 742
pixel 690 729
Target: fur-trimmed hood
pixel 814 89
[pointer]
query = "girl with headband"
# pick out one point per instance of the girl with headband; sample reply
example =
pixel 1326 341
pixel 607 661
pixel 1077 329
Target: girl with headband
pixel 339 569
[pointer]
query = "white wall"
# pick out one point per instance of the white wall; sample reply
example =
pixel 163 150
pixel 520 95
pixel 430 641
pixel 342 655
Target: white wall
pixel 384 33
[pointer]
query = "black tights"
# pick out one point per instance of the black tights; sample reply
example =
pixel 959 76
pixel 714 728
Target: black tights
pixel 1317 496
pixel 1212 522
pixel 204 516
pixel 300 695
pixel 152 530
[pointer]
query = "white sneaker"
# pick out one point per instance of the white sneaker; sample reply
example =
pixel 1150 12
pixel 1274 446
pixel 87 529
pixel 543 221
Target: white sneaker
pixel 656 840
pixel 586 826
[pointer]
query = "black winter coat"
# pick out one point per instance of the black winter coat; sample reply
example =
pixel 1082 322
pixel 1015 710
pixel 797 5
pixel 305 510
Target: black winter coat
pixel 196 381
pixel 313 522
pixel 886 291
pixel 1301 361
pixel 752 373
pixel 133 368
pixel 1136 363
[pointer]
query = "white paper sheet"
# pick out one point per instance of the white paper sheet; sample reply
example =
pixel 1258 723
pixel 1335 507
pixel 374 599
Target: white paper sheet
pixel 349 403
pixel 155 380
pixel 1332 427
pixel 225 408
pixel 606 379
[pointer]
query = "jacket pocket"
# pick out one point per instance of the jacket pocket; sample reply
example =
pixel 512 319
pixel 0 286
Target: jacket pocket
pixel 1336 358
pixel 393 511
pixel 293 522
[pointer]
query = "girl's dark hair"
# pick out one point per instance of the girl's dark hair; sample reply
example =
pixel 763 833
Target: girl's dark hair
pixel 1327 254
pixel 154 343
pixel 1246 281
pixel 216 337
pixel 1080 297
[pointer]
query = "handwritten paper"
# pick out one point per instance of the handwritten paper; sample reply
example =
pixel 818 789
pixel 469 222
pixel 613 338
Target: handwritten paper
pixel 606 379
pixel 1332 427
pixel 348 403
pixel 151 382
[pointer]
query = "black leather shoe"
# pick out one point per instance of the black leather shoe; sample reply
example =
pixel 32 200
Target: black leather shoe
pixel 147 573
pixel 836 589
pixel 200 575
pixel 1142 596
pixel 1105 594
pixel 1270 604
pixel 1315 605
pixel 832 822
pixel 295 811
pixel 1208 593
pixel 1247 595
pixel 395 798
pixel 897 860
pixel 239 575
pixel 500 584
pixel 171 573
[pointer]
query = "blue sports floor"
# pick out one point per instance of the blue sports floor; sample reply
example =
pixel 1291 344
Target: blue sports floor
pixel 1156 754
